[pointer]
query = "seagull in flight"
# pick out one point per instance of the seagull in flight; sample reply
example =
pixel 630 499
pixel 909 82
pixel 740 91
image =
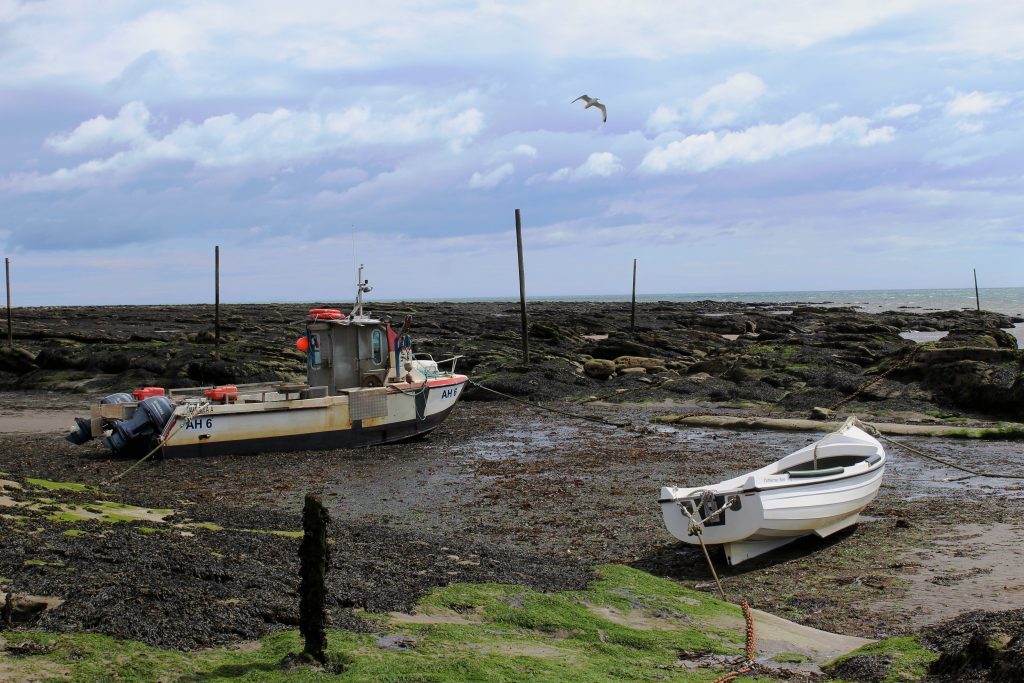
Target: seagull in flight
pixel 592 102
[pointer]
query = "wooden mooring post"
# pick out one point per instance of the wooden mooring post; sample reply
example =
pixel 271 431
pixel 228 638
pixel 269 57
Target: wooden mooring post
pixel 977 299
pixel 314 559
pixel 216 302
pixel 632 310
pixel 522 290
pixel 10 328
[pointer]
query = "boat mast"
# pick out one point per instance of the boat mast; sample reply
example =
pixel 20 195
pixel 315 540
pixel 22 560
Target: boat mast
pixel 362 287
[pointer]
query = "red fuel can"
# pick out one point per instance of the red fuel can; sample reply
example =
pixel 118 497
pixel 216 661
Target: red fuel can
pixel 224 393
pixel 147 392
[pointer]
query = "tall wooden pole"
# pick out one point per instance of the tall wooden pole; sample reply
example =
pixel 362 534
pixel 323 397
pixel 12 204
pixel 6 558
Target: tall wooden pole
pixel 216 302
pixel 632 312
pixel 977 299
pixel 522 290
pixel 10 328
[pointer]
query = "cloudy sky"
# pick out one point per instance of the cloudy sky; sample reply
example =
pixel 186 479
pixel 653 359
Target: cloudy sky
pixel 749 146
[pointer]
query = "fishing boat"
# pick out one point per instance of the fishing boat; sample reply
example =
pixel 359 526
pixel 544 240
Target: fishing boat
pixel 820 489
pixel 365 386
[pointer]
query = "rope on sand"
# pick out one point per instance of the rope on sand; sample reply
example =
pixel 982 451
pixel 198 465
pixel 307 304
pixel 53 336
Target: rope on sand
pixel 589 418
pixel 751 651
pixel 917 451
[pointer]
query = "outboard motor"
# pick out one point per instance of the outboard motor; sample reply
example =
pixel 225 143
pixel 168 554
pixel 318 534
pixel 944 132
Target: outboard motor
pixel 149 420
pixel 83 429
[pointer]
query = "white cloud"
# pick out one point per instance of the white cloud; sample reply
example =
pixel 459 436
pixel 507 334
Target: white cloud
pixel 970 127
pixel 975 103
pixel 664 118
pixel 704 151
pixel 900 111
pixel 274 137
pixel 486 181
pixel 597 165
pixel 525 151
pixel 129 125
pixel 93 42
pixel 343 176
pixel 720 105
pixel 874 136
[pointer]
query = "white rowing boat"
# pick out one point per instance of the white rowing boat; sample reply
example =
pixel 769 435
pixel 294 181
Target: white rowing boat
pixel 819 489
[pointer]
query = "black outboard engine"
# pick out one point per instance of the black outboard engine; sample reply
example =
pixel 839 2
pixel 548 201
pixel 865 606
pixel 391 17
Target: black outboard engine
pixel 148 421
pixel 83 430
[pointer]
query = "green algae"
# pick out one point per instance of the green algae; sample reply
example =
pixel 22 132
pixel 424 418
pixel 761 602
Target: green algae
pixel 1005 432
pixel 42 563
pixel 59 485
pixel 504 633
pixel 909 658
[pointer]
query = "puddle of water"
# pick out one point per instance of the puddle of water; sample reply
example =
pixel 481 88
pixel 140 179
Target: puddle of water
pixel 920 337
pixel 520 441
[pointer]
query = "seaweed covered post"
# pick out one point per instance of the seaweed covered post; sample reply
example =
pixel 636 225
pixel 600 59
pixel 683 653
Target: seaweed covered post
pixel 314 558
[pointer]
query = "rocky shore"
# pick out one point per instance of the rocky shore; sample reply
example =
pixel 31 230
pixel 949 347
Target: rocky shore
pixel 781 358
pixel 193 553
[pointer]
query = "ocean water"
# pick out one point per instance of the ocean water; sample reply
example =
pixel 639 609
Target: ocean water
pixel 1006 300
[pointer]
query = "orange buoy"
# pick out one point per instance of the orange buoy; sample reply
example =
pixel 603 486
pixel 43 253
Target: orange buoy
pixel 302 343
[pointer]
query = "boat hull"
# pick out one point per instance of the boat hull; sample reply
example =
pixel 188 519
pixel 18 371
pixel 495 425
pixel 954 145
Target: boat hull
pixel 356 419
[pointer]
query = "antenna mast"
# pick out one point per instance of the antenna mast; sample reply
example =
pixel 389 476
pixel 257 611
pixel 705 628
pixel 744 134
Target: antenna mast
pixel 362 287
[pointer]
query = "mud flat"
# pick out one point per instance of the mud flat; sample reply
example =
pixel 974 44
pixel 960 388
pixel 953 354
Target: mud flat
pixel 500 494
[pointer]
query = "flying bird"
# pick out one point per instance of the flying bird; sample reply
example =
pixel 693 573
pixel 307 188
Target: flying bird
pixel 592 102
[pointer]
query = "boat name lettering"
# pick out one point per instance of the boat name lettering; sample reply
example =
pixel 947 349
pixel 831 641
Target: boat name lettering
pixel 199 423
pixel 450 392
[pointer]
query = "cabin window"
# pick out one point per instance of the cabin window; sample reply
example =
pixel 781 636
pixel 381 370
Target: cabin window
pixel 313 354
pixel 377 346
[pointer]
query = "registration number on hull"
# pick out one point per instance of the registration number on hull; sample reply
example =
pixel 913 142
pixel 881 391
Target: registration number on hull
pixel 199 423
pixel 450 392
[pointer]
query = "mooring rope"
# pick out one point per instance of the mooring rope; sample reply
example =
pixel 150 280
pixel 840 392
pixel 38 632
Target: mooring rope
pixel 696 528
pixel 589 418
pixel 196 409
pixel 878 378
pixel 943 461
pixel 751 649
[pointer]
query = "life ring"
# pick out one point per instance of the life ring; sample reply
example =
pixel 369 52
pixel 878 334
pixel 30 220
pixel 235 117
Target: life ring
pixel 326 313
pixel 371 381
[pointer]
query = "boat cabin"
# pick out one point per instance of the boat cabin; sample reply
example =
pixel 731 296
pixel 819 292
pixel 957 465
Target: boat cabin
pixel 357 351
pixel 348 353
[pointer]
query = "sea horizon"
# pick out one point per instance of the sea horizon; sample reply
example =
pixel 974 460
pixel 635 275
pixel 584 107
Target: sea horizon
pixel 1005 300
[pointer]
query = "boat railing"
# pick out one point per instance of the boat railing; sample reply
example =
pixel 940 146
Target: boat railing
pixel 426 356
